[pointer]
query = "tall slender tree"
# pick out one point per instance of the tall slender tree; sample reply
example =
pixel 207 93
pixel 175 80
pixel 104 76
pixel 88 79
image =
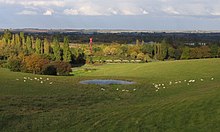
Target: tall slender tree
pixel 33 43
pixel 38 46
pixel 46 47
pixel 56 49
pixel 29 44
pixel 66 50
pixel 7 36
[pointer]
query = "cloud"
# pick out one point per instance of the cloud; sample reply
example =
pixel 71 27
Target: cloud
pixel 119 7
pixel 171 10
pixel 58 3
pixel 27 12
pixel 70 12
pixel 48 12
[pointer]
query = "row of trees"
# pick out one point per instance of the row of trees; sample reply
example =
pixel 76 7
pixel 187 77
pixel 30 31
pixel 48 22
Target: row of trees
pixel 156 51
pixel 25 53
pixel 14 45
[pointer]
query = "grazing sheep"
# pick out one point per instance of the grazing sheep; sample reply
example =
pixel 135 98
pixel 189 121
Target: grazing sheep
pixel 102 89
pixel 170 83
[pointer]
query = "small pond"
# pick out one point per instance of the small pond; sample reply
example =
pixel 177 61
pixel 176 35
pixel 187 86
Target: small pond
pixel 106 82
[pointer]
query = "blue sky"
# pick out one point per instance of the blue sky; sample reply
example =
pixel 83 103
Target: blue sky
pixel 111 14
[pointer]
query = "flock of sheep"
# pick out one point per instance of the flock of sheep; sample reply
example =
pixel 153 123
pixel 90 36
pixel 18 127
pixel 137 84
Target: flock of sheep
pixel 40 79
pixel 163 86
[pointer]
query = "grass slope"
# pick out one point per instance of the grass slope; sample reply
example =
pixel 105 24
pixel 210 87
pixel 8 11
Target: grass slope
pixel 67 105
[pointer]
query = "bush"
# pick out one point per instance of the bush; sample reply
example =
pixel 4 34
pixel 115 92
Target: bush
pixel 49 70
pixel 14 64
pixel 35 63
pixel 62 68
pixel 3 63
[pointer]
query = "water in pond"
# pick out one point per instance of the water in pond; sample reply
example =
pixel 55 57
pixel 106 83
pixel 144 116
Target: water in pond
pixel 105 82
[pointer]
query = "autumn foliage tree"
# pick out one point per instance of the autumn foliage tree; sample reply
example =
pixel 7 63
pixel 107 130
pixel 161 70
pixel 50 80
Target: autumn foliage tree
pixel 35 63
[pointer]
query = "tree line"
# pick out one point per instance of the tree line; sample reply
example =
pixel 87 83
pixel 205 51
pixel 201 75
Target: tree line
pixel 29 54
pixel 41 55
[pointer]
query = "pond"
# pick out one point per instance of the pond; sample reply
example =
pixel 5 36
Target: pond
pixel 106 82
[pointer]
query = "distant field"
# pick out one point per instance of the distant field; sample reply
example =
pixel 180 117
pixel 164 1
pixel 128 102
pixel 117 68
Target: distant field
pixel 62 104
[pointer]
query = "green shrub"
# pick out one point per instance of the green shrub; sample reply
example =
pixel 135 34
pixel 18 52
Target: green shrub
pixel 14 63
pixel 3 63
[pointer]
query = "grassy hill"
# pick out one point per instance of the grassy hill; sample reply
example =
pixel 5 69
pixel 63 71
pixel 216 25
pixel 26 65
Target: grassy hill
pixel 49 103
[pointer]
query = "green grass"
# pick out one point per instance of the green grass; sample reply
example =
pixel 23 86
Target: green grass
pixel 67 105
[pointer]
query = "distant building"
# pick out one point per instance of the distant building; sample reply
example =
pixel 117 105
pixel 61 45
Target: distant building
pixel 194 44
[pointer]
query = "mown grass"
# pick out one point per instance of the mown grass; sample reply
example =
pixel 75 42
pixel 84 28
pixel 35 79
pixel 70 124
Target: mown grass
pixel 67 105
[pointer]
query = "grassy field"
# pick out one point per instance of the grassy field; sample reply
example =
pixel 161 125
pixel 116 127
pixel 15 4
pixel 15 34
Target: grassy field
pixel 62 104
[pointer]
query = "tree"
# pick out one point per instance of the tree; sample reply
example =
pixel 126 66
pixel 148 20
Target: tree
pixel 147 49
pixel 185 53
pixel 205 51
pixel 171 52
pixel 56 49
pixel 42 48
pixel 195 53
pixel 46 47
pixel 178 54
pixel 38 46
pixel 124 49
pixel 23 40
pixel 134 55
pixel 7 36
pixel 214 50
pixel 141 56
pixel 29 44
pixel 14 63
pixel 35 63
pixel 13 40
pixel 66 50
pixel 17 40
pixel 33 44
pixel 218 52
pixel 137 42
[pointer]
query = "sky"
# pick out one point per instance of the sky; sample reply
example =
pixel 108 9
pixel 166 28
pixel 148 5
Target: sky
pixel 111 14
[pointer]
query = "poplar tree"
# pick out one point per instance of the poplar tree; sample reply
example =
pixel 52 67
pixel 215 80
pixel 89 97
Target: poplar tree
pixel 7 36
pixel 13 40
pixel 38 46
pixel 29 44
pixel 56 49
pixel 46 47
pixel 66 50
pixel 32 41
